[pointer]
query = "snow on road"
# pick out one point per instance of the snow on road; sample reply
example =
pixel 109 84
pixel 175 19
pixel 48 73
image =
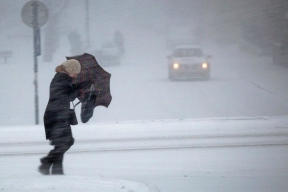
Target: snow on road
pixel 239 154
pixel 155 134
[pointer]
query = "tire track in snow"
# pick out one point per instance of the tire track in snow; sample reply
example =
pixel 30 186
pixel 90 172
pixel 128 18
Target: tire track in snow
pixel 146 144
pixel 139 139
pixel 260 87
pixel 155 148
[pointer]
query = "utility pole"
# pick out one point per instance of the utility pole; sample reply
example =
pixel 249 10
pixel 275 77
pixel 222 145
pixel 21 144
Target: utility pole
pixel 37 52
pixel 35 14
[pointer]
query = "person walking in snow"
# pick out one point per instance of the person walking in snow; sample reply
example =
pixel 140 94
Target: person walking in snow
pixel 56 116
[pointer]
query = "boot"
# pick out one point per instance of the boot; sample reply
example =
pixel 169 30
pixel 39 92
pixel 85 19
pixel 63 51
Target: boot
pixel 57 169
pixel 45 165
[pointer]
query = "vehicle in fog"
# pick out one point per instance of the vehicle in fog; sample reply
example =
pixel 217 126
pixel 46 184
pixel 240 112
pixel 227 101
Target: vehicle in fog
pixel 109 54
pixel 188 62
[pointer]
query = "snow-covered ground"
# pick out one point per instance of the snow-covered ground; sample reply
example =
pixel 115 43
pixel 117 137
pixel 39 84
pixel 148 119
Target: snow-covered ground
pixel 218 154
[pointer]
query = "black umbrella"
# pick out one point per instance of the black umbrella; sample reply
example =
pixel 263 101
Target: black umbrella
pixel 95 82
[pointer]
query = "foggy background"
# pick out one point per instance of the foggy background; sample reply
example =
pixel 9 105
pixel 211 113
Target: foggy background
pixel 240 35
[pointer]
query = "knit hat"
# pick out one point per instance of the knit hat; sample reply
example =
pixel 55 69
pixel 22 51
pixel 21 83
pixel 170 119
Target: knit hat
pixel 72 66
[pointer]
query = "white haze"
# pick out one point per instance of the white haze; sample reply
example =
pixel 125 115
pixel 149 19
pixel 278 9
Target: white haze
pixel 242 84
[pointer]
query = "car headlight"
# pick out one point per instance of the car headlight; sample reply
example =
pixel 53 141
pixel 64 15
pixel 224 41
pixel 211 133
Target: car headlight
pixel 204 65
pixel 175 65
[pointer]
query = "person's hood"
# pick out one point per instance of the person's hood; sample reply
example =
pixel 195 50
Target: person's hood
pixel 60 69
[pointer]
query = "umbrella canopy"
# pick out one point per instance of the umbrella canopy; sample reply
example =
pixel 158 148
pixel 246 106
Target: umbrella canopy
pixel 98 90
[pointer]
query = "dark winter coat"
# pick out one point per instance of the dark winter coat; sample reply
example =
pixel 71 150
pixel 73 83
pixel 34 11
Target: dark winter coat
pixel 57 111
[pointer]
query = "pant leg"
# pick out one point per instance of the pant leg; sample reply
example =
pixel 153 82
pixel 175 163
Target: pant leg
pixel 62 144
pixel 62 140
pixel 60 149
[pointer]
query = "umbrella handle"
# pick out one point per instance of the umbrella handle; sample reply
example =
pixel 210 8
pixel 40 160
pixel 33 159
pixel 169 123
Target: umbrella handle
pixel 75 104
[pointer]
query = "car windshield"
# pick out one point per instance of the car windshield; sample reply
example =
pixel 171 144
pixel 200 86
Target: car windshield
pixel 193 52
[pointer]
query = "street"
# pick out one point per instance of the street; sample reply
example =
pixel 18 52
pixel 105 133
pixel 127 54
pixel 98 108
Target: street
pixel 220 154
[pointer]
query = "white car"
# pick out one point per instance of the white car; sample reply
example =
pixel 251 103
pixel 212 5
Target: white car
pixel 188 62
